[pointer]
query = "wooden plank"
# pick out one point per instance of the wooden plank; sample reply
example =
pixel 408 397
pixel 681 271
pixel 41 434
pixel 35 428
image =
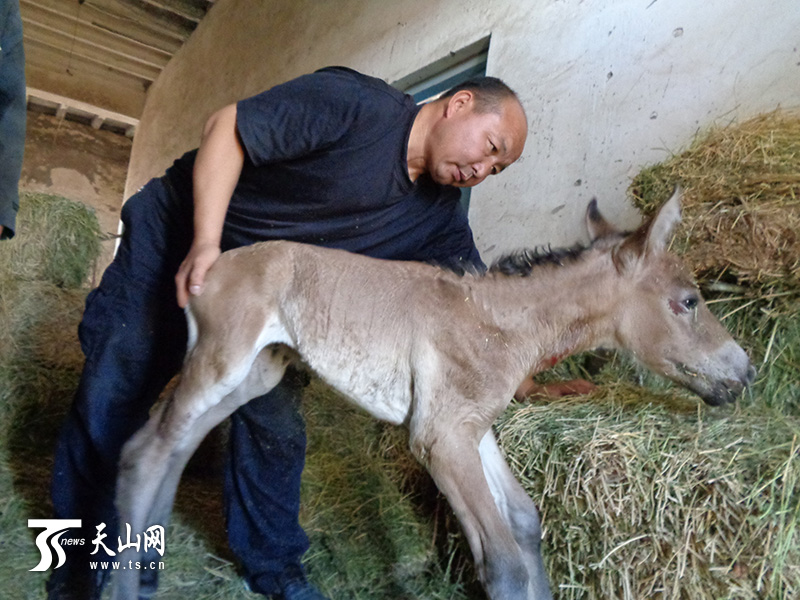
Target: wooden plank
pixel 76 48
pixel 140 11
pixel 191 11
pixel 62 101
pixel 117 19
pixel 86 81
pixel 55 20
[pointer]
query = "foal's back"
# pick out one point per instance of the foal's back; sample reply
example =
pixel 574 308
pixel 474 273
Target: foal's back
pixel 363 325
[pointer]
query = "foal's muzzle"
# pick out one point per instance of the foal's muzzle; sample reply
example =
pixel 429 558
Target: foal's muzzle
pixel 727 390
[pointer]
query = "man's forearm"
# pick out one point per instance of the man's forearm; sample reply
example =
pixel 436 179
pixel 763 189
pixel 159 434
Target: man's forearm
pixel 216 171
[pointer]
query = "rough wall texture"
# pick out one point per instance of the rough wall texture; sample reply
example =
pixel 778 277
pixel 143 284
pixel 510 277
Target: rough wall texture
pixel 73 160
pixel 609 86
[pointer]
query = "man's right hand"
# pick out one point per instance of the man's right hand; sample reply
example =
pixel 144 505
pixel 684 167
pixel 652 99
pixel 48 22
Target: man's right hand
pixel 192 272
pixel 216 171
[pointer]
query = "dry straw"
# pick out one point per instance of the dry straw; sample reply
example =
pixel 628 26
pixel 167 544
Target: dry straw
pixel 741 204
pixel 649 495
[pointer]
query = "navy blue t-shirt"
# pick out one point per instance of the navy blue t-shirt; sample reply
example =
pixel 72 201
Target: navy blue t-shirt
pixel 325 164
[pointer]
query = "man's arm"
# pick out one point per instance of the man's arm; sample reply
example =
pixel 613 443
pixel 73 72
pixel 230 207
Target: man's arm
pixel 217 168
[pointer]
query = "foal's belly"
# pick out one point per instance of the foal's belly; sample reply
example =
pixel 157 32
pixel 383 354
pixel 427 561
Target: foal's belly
pixel 385 396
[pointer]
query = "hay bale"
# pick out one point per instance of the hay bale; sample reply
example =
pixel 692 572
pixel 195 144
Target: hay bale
pixel 57 241
pixel 741 205
pixel 651 497
pixel 43 271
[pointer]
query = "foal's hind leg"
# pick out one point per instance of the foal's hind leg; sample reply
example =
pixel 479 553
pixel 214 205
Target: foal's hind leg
pixel 153 460
pixel 265 373
pixel 518 511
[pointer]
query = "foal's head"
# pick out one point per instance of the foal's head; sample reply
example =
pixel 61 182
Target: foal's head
pixel 661 317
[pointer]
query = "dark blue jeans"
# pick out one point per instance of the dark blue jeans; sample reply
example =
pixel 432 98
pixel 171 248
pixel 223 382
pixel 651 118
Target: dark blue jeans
pixel 134 337
pixel 12 112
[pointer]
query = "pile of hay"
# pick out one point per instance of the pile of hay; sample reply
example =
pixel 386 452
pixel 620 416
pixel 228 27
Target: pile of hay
pixel 58 242
pixel 644 491
pixel 43 273
pixel 741 204
pixel 647 494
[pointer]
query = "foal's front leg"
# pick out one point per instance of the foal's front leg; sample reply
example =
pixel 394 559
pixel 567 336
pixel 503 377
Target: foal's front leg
pixel 450 452
pixel 518 511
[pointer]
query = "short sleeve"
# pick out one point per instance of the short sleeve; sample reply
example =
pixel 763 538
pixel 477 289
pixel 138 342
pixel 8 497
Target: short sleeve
pixel 297 118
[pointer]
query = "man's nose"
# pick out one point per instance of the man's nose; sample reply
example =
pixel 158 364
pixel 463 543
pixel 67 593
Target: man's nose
pixel 481 170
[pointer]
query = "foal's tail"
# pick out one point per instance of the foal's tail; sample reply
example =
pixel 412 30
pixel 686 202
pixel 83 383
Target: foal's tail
pixel 191 324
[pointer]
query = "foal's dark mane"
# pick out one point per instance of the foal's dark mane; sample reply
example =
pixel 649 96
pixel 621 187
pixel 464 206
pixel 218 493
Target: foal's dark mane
pixel 521 262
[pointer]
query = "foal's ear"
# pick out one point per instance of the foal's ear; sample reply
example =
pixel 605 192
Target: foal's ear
pixel 596 224
pixel 659 231
pixel 652 237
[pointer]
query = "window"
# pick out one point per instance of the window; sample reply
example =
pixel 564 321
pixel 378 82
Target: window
pixel 432 81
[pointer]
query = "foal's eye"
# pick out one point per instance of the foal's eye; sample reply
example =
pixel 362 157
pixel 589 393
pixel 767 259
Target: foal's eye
pixel 690 303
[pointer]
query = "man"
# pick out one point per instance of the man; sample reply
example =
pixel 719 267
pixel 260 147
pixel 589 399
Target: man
pixel 334 158
pixel 12 113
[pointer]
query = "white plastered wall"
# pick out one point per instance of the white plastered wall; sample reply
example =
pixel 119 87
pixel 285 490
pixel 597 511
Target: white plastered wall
pixel 609 85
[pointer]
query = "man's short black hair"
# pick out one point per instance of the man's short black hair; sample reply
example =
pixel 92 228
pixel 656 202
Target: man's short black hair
pixel 490 93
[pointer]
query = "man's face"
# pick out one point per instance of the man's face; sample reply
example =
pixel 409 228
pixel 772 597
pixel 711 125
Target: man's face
pixel 467 146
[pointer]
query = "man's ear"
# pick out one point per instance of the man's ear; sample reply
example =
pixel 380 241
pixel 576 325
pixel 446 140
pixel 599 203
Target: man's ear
pixel 459 101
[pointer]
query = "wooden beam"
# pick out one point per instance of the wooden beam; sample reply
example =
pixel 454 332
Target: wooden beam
pixel 142 11
pixel 99 113
pixel 73 49
pixel 116 18
pixel 191 11
pixel 47 69
pixel 99 117
pixel 44 17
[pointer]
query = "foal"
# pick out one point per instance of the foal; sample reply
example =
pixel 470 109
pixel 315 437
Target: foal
pixel 441 354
